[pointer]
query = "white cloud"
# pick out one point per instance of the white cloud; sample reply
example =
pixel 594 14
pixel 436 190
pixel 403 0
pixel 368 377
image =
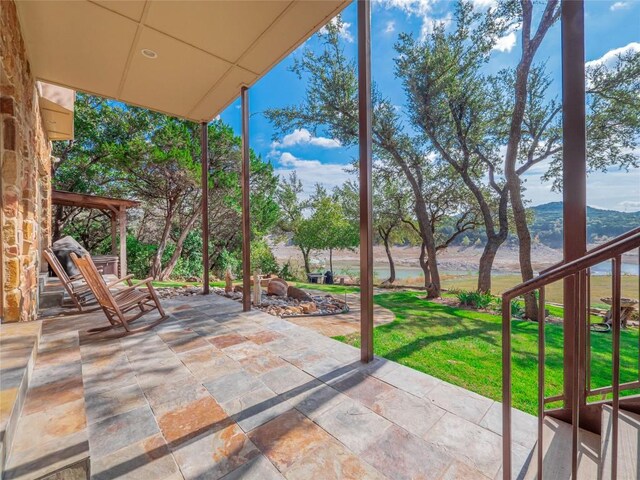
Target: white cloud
pixel 418 8
pixel 410 7
pixel 506 43
pixel 428 24
pixel 310 172
pixel 630 205
pixel 302 136
pixel 390 27
pixel 609 58
pixel 619 6
pixel 484 3
pixel 344 32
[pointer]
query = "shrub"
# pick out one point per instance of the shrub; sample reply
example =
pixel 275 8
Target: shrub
pixel 262 258
pixel 289 273
pixel 517 308
pixel 229 261
pixel 139 256
pixel 475 299
pixel 189 265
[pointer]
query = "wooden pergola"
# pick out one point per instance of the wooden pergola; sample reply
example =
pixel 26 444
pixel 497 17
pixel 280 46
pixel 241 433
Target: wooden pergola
pixel 115 208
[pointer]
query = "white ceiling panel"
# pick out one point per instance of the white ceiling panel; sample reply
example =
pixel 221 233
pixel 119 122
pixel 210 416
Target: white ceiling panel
pixel 223 28
pixel 77 44
pixel 206 50
pixel 174 81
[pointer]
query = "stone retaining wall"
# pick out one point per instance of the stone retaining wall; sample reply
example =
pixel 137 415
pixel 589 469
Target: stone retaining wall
pixel 25 184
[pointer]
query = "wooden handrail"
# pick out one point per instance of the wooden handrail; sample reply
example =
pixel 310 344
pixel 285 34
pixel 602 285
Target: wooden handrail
pixel 618 246
pixel 602 246
pixel 579 270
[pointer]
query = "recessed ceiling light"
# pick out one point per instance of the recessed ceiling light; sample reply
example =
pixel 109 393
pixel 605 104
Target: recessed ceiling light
pixel 149 53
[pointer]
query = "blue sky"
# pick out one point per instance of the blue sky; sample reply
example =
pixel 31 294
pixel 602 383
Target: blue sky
pixel 610 25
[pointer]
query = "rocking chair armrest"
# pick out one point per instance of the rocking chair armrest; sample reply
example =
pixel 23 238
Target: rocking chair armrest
pixel 146 281
pixel 120 280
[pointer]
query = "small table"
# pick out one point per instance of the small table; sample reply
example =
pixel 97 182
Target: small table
pixel 627 307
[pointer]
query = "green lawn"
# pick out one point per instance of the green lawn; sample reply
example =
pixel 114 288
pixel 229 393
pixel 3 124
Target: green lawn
pixel 600 286
pixel 463 347
pixel 326 288
pixel 307 286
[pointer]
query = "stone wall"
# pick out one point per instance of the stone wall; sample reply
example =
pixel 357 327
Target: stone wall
pixel 25 182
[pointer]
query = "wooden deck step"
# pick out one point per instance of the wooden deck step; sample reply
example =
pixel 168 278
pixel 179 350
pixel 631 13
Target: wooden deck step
pixel 18 348
pixel 628 444
pixel 50 438
pixel 557 453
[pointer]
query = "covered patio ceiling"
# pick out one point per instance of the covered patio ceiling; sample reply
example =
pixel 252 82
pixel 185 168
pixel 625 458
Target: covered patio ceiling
pixel 188 59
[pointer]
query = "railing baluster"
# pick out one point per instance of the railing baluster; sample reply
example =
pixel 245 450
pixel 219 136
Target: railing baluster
pixel 580 387
pixel 506 388
pixel 541 363
pixel 616 272
pixel 587 336
pixel 575 401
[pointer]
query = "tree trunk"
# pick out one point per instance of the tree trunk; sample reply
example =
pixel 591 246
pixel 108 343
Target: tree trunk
pixel 424 264
pixel 524 251
pixel 331 260
pixel 57 223
pixel 392 266
pixel 156 263
pixel 486 264
pixel 494 239
pixel 432 284
pixel 529 48
pixel 168 269
pixel 432 281
pixel 305 256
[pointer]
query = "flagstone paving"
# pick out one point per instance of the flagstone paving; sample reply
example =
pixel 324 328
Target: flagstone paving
pixel 216 393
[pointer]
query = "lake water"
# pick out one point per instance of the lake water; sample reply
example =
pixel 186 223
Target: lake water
pixel 404 272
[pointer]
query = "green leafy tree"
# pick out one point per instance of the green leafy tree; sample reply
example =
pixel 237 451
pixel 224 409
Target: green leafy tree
pixel 471 118
pixel 292 207
pixel 327 228
pixel 131 152
pixel 390 198
pixel 331 102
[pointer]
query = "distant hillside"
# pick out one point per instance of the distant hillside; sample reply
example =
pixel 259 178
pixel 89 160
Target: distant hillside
pixel 601 224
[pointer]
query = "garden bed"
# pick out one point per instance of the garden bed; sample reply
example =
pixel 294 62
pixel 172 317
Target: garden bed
pixel 281 306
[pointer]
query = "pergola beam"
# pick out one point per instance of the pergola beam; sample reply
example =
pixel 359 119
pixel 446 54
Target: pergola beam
pixel 246 220
pixel 366 203
pixel 204 179
pixel 115 208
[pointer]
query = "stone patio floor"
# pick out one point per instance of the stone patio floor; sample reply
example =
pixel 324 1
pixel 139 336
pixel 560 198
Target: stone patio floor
pixel 216 393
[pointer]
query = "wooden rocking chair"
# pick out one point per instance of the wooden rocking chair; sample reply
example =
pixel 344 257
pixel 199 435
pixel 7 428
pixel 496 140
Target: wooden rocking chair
pixel 78 290
pixel 116 305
